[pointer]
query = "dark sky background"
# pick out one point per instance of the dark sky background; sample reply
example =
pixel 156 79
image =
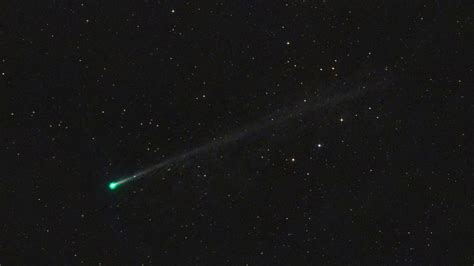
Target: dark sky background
pixel 95 91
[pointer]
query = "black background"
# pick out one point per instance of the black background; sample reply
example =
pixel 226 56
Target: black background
pixel 94 91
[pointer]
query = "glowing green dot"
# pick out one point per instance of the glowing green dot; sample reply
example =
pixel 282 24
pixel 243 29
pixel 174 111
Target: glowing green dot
pixel 113 185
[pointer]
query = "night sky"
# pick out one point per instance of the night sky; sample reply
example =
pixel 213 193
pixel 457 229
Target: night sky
pixel 334 132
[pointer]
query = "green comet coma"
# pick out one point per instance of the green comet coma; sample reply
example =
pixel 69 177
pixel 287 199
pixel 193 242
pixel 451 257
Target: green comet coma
pixel 113 186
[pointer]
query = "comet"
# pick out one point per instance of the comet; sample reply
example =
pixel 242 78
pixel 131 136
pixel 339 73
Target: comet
pixel 244 132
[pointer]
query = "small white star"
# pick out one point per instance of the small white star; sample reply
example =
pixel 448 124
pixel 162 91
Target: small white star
pixel 341 119
pixel 320 145
pixel 292 159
